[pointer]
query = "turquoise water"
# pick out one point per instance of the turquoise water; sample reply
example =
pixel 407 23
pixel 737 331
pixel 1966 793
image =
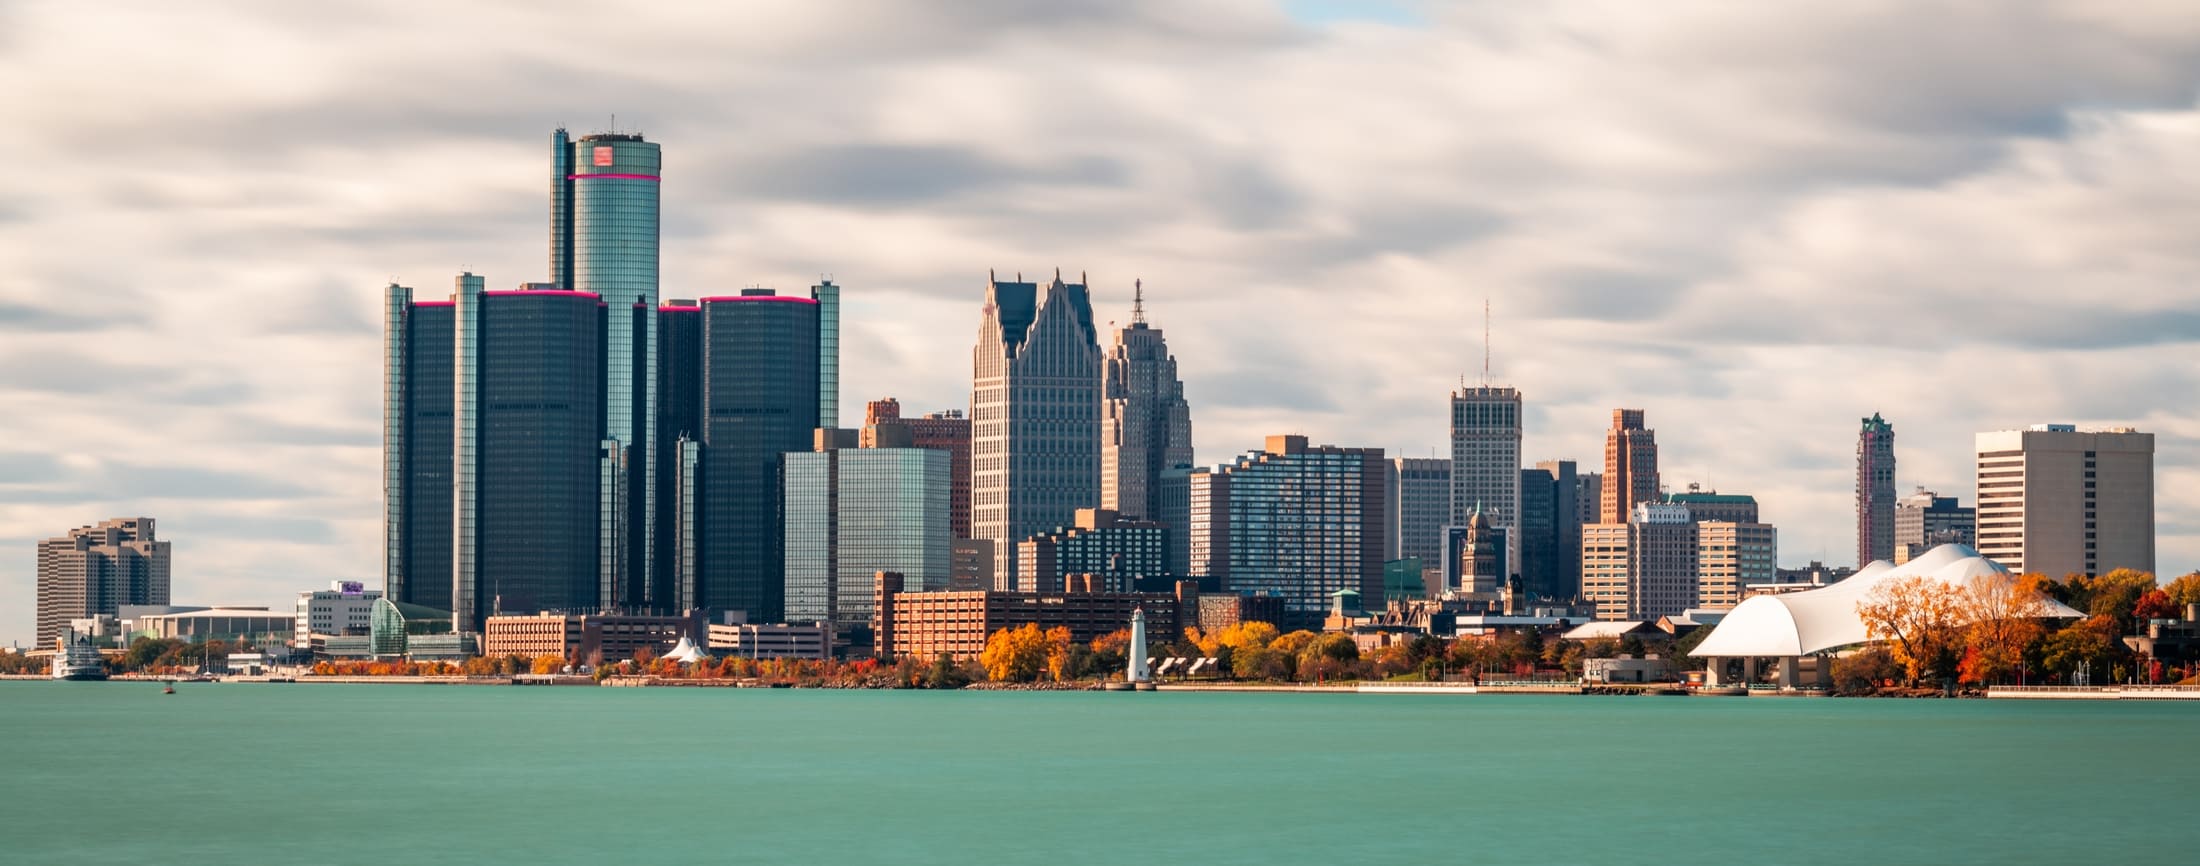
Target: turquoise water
pixel 246 773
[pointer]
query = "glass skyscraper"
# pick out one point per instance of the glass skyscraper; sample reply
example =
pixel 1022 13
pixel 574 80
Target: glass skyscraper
pixel 604 239
pixel 854 512
pixel 760 401
pixel 417 448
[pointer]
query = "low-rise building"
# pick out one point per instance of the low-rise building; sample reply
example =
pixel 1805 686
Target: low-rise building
pixel 256 625
pixel 1122 551
pixel 345 608
pixel 587 638
pixel 925 625
pixel 773 641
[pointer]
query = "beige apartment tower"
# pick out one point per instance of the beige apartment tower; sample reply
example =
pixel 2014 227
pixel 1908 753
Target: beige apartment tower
pixel 96 569
pixel 2056 501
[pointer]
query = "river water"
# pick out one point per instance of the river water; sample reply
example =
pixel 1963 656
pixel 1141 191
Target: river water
pixel 386 774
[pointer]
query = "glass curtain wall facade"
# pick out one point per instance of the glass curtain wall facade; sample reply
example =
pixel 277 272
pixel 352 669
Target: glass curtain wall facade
pixel 1034 416
pixel 604 239
pixel 529 367
pixel 854 512
pixel 760 400
pixel 679 422
pixel 417 438
pixel 827 296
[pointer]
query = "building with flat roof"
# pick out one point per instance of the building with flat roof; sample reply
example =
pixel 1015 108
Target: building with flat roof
pixel 1485 460
pixel 93 570
pixel 851 513
pixel 256 625
pixel 1292 521
pixel 1122 552
pixel 2056 501
pixel 1705 506
pixel 760 402
pixel 1417 505
pixel 1924 520
pixel 773 640
pixel 588 638
pixel 947 431
pixel 345 608
pixel 1550 530
pixel 926 625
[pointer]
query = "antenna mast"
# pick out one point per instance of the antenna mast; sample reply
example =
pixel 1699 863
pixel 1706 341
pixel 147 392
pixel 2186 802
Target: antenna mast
pixel 1138 302
pixel 1485 342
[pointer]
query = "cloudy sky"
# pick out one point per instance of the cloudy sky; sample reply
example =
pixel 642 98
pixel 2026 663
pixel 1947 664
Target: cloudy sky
pixel 1756 221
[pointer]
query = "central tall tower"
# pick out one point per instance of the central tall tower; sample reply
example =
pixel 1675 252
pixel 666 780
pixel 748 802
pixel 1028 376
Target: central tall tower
pixel 1034 416
pixel 1485 460
pixel 604 239
pixel 1630 466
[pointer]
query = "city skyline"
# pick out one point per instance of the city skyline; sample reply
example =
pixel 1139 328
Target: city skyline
pixel 1642 245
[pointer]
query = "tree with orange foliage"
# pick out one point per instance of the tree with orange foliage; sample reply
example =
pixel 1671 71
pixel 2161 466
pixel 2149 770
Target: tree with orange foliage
pixel 1922 619
pixel 546 664
pixel 2003 613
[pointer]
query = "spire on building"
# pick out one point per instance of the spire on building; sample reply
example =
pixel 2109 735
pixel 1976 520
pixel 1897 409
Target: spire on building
pixel 1138 302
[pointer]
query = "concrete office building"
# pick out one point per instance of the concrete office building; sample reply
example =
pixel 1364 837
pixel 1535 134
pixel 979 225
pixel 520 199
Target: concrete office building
pixel 852 512
pixel 1730 557
pixel 947 431
pixel 2057 501
pixel 1924 520
pixel 772 640
pixel 1292 521
pixel 1874 491
pixel 604 241
pixel 1417 502
pixel 1034 416
pixel 926 625
pixel 1485 460
pixel 760 402
pixel 94 570
pixel 1630 467
pixel 1146 431
pixel 255 625
pixel 1642 569
pixel 345 608
pixel 1121 552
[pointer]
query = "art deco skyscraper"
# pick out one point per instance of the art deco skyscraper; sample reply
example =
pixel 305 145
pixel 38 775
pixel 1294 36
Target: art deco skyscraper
pixel 1485 461
pixel 1630 467
pixel 604 240
pixel 1034 416
pixel 1874 491
pixel 1146 430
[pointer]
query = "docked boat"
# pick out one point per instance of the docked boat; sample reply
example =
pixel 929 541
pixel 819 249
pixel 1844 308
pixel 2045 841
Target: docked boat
pixel 75 658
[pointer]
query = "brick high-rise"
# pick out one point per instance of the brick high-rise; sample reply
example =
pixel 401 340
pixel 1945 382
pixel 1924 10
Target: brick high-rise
pixel 1630 467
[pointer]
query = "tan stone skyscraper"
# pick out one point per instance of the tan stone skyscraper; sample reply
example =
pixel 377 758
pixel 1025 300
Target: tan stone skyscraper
pixel 1630 466
pixel 1034 416
pixel 1146 432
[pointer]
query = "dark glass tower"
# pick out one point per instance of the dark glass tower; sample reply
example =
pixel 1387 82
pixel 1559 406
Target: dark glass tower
pixel 679 420
pixel 416 449
pixel 604 239
pixel 759 401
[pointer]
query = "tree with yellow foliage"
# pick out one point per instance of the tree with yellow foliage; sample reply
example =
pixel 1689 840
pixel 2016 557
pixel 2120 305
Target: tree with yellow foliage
pixel 1020 654
pixel 1922 619
pixel 546 664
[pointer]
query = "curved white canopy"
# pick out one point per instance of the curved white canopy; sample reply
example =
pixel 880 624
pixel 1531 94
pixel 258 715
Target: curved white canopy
pixel 1801 623
pixel 685 652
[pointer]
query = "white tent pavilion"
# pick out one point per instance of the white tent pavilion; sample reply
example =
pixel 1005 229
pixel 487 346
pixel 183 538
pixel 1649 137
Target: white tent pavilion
pixel 1787 626
pixel 685 652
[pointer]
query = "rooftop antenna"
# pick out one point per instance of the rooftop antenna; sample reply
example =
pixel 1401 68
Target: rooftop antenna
pixel 1138 302
pixel 1485 342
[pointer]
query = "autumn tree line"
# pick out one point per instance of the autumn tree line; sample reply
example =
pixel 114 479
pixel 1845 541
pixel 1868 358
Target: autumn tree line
pixel 1996 629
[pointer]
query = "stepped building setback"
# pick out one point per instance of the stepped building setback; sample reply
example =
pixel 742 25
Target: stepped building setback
pixel 95 570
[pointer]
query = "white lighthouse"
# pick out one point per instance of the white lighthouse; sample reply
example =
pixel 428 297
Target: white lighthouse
pixel 1137 672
